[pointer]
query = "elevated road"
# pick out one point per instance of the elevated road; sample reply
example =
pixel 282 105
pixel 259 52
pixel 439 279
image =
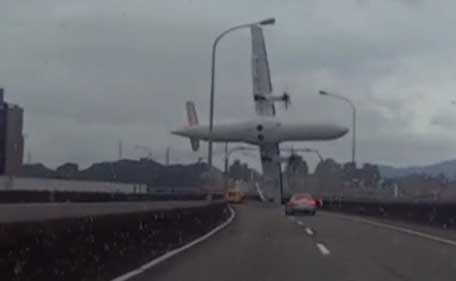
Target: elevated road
pixel 263 244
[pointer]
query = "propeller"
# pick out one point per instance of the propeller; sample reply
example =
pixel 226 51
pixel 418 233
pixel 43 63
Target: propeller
pixel 286 99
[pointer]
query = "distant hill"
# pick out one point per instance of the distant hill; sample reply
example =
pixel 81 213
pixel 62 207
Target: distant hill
pixel 150 172
pixel 447 168
pixel 38 171
pixel 125 170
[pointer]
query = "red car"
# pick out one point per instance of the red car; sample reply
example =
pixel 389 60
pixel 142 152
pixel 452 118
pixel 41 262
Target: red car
pixel 301 203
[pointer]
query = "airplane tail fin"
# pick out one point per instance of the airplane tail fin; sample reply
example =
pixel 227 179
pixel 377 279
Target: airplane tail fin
pixel 192 118
pixel 191 114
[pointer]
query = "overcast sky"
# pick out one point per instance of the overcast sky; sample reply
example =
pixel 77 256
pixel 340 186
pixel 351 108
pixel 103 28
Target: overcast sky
pixel 92 72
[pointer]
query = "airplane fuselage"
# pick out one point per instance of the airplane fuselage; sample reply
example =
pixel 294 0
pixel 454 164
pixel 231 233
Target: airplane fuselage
pixel 264 131
pixel 267 132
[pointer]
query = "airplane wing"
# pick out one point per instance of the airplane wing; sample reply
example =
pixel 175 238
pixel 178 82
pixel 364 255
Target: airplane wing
pixel 262 89
pixel 272 172
pixel 260 74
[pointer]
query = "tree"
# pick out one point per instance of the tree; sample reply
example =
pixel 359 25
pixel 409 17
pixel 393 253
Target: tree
pixel 370 174
pixel 297 166
pixel 349 171
pixel 239 171
pixel 329 174
pixel 67 171
pixel 328 168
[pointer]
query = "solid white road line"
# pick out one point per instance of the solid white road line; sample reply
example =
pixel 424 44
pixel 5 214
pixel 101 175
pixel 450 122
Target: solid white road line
pixel 309 231
pixel 324 251
pixel 174 252
pixel 400 229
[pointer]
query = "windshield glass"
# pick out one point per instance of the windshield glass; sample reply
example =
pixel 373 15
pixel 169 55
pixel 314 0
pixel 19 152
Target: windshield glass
pixel 227 140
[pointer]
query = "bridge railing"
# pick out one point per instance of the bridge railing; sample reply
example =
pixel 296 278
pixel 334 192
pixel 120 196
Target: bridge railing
pixel 100 247
pixel 441 214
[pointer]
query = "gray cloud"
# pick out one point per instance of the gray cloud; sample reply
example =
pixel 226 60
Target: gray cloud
pixel 89 73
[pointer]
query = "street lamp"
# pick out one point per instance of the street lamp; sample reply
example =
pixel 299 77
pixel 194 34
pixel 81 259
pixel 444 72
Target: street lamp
pixel 268 21
pixel 328 94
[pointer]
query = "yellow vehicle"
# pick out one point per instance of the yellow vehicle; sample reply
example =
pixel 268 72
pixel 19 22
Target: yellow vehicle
pixel 234 195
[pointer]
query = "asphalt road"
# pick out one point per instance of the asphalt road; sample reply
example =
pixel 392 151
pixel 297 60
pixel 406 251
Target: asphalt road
pixel 46 211
pixel 263 244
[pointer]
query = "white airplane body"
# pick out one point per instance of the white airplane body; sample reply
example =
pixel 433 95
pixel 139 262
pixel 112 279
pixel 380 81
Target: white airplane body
pixel 267 131
pixel 258 132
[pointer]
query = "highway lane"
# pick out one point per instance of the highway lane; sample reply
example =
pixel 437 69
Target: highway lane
pixel 263 244
pixel 46 211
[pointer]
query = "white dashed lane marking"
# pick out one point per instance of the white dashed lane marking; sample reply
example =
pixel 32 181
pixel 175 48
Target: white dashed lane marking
pixel 324 251
pixel 309 231
pixel 321 247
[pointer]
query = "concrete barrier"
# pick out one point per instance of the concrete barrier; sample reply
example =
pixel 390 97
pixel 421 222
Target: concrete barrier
pixel 431 213
pixel 102 247
pixel 42 184
pixel 29 196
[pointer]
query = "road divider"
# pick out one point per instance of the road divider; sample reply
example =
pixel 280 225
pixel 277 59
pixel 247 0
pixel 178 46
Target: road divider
pixel 174 252
pixel 45 196
pixel 101 247
pixel 430 213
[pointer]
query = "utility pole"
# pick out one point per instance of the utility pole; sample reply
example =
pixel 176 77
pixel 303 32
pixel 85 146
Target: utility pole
pixel 167 156
pixel 120 149
pixel 29 154
pixel 226 159
pixel 226 166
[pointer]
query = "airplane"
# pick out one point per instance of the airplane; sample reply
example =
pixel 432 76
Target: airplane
pixel 266 131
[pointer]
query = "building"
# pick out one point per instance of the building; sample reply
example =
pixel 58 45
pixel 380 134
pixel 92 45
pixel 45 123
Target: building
pixel 11 137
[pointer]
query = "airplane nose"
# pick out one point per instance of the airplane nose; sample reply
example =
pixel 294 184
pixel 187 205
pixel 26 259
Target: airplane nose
pixel 179 132
pixel 343 131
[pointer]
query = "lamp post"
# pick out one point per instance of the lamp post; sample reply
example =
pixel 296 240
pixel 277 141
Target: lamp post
pixel 352 105
pixel 268 21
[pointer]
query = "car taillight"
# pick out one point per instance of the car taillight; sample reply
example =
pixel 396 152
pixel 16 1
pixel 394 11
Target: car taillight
pixel 309 201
